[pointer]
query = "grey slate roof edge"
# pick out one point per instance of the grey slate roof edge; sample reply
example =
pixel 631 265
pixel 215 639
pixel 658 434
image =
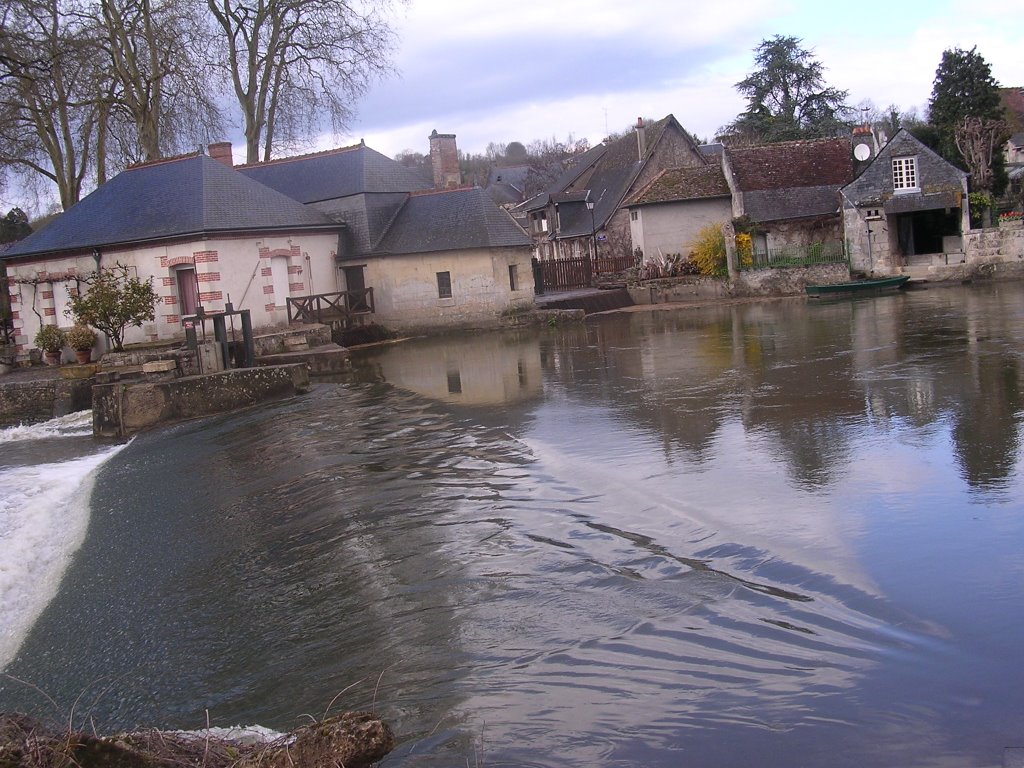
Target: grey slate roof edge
pixel 164 239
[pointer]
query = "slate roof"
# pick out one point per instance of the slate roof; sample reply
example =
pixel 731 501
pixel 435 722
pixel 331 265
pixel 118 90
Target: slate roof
pixel 336 173
pixel 675 184
pixel 450 220
pixel 712 151
pixel 875 182
pixel 190 196
pixel 612 168
pixel 795 203
pixel 788 164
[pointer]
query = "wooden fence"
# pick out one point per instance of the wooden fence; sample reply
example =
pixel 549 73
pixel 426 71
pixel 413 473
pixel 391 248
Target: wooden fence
pixel 561 274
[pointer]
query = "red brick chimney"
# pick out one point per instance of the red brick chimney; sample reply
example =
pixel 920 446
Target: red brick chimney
pixel 444 159
pixel 221 152
pixel 641 138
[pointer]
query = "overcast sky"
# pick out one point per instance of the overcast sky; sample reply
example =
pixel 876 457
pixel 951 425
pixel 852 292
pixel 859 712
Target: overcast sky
pixel 500 71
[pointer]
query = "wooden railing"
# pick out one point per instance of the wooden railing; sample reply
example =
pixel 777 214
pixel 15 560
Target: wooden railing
pixel 325 307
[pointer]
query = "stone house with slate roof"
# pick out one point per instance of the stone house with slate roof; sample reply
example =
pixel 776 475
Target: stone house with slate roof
pixel 908 207
pixel 208 233
pixel 204 233
pixel 434 258
pixel 791 190
pixel 560 222
pixel 667 213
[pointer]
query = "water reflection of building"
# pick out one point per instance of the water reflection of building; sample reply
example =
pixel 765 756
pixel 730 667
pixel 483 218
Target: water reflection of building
pixel 807 377
pixel 488 369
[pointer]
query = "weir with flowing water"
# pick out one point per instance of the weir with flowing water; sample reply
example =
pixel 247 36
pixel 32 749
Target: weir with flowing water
pixel 771 534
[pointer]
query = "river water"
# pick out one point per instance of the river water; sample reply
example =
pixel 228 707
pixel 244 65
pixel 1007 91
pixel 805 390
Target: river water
pixel 775 534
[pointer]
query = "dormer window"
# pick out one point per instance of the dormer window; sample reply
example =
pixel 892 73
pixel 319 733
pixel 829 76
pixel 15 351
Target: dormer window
pixel 904 174
pixel 542 221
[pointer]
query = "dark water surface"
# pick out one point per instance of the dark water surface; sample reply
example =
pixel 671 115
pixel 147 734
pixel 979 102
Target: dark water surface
pixel 773 534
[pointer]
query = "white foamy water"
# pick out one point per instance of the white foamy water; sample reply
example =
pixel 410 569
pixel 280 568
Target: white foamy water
pixel 44 514
pixel 78 424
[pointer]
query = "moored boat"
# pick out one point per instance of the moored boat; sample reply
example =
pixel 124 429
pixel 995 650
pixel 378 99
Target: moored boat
pixel 858 286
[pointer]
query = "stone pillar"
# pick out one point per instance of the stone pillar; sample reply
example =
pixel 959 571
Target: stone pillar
pixel 731 263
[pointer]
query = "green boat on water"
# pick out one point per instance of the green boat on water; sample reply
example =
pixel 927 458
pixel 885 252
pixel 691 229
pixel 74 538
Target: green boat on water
pixel 858 286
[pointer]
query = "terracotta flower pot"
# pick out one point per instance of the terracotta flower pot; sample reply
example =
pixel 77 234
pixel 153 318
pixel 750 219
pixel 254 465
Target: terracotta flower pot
pixel 51 358
pixel 83 355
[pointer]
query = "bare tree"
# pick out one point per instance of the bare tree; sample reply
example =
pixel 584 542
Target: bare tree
pixel 48 82
pixel 159 67
pixel 548 159
pixel 293 62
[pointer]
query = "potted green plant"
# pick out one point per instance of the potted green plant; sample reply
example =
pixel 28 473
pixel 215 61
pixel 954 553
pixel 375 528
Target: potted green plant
pixel 50 339
pixel 81 338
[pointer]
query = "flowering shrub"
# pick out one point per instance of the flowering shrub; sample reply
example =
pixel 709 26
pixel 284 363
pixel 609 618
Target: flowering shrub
pixel 1011 216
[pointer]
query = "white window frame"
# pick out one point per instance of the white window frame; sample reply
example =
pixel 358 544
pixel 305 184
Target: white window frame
pixel 904 174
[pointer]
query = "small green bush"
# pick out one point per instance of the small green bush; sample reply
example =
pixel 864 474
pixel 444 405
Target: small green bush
pixel 50 338
pixel 80 338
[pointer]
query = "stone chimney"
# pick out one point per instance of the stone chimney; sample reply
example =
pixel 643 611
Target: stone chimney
pixel 221 152
pixel 641 138
pixel 444 159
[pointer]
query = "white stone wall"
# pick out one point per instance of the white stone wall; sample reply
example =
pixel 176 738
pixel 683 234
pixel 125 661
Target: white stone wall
pixel 226 268
pixel 673 227
pixel 405 288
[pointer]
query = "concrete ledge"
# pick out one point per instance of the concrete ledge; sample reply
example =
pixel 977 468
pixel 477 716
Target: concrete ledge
pixel 159 366
pixel 323 360
pixel 122 409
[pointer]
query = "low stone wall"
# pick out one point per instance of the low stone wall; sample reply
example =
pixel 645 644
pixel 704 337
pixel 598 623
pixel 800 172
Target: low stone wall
pixel 1002 243
pixel 783 281
pixel 274 343
pixel 30 402
pixel 121 409
pixel 673 289
pixel 788 281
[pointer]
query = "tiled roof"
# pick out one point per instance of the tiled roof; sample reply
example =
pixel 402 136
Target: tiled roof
pixel 691 183
pixel 450 220
pixel 1013 102
pixel 335 174
pixel 788 164
pixel 187 196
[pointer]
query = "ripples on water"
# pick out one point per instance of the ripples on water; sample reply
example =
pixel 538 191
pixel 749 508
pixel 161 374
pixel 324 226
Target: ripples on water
pixel 765 535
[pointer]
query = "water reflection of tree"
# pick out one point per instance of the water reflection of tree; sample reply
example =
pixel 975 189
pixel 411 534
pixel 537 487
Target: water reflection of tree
pixel 960 346
pixel 986 433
